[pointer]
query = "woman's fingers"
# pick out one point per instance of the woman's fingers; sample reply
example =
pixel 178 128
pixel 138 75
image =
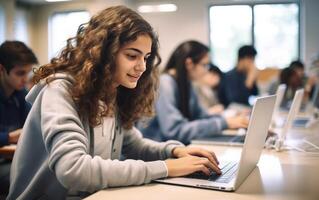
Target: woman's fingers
pixel 204 153
pixel 209 164
pixel 203 168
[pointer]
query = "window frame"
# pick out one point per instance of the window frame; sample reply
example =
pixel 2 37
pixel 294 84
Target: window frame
pixel 252 4
pixel 51 54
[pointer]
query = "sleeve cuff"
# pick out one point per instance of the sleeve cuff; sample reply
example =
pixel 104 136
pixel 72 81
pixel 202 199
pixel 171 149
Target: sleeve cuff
pixel 223 123
pixel 157 170
pixel 4 138
pixel 171 144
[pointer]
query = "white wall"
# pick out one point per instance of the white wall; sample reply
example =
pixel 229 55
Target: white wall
pixel 189 22
pixel 42 14
pixel 9 12
pixel 17 15
pixel 311 31
pixel 23 23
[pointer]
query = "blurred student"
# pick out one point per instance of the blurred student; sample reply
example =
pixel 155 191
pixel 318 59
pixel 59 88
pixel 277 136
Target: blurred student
pixel 294 77
pixel 16 61
pixel 307 82
pixel 85 103
pixel 239 84
pixel 178 113
pixel 314 67
pixel 293 81
pixel 206 89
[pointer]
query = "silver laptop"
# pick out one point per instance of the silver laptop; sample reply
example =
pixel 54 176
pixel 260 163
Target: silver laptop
pixel 234 173
pixel 312 109
pixel 294 109
pixel 280 96
pixel 237 137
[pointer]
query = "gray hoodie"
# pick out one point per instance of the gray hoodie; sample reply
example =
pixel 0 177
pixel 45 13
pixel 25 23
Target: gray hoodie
pixel 58 155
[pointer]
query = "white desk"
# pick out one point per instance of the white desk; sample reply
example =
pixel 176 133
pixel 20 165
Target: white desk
pixel 288 175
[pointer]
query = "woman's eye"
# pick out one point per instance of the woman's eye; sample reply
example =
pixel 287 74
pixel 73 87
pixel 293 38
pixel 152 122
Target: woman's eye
pixel 131 57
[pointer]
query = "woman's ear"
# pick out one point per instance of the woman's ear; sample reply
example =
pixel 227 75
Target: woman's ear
pixel 189 64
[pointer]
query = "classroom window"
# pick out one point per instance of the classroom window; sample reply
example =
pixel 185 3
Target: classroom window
pixel 230 28
pixel 2 25
pixel 272 28
pixel 21 26
pixel 63 26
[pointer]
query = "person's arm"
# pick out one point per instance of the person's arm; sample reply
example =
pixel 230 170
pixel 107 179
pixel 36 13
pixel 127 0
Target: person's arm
pixel 199 111
pixel 67 145
pixel 221 92
pixel 254 90
pixel 174 125
pixel 251 77
pixel 4 138
pixel 190 159
pixel 137 147
pixel 12 137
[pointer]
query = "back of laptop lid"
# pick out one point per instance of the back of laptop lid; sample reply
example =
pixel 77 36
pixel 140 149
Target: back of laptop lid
pixel 294 110
pixel 280 95
pixel 315 97
pixel 256 136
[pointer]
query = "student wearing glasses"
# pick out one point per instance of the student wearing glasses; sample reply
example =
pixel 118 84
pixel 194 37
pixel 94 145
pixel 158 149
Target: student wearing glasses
pixel 179 115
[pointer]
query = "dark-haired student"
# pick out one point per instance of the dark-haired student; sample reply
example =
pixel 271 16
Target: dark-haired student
pixel 239 84
pixel 308 82
pixel 294 77
pixel 179 115
pixel 16 61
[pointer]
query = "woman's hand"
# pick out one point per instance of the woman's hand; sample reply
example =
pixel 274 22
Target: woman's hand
pixel 190 164
pixel 14 136
pixel 237 122
pixel 192 159
pixel 216 109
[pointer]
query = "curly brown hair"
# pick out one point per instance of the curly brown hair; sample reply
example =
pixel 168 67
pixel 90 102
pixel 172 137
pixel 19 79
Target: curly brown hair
pixel 89 58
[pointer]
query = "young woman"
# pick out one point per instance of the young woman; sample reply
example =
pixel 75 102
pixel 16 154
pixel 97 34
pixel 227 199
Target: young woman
pixel 206 89
pixel 84 105
pixel 178 113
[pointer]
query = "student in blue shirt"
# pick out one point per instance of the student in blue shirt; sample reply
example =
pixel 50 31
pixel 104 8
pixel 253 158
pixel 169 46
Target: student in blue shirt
pixel 16 61
pixel 178 113
pixel 240 83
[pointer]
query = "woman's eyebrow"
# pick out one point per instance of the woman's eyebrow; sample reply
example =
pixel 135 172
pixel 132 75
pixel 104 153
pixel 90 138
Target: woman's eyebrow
pixel 137 50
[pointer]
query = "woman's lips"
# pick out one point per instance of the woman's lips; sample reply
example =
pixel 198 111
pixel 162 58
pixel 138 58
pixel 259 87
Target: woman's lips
pixel 134 77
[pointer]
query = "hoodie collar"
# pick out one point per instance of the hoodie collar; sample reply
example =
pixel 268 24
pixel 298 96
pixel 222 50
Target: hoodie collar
pixel 36 89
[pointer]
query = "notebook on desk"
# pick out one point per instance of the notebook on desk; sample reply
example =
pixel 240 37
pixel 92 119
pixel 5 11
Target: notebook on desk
pixel 234 173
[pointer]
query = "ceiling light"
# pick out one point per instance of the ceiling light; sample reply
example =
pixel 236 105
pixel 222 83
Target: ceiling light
pixel 157 8
pixel 56 0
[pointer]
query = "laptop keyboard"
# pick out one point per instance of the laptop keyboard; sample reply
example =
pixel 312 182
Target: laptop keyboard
pixel 228 172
